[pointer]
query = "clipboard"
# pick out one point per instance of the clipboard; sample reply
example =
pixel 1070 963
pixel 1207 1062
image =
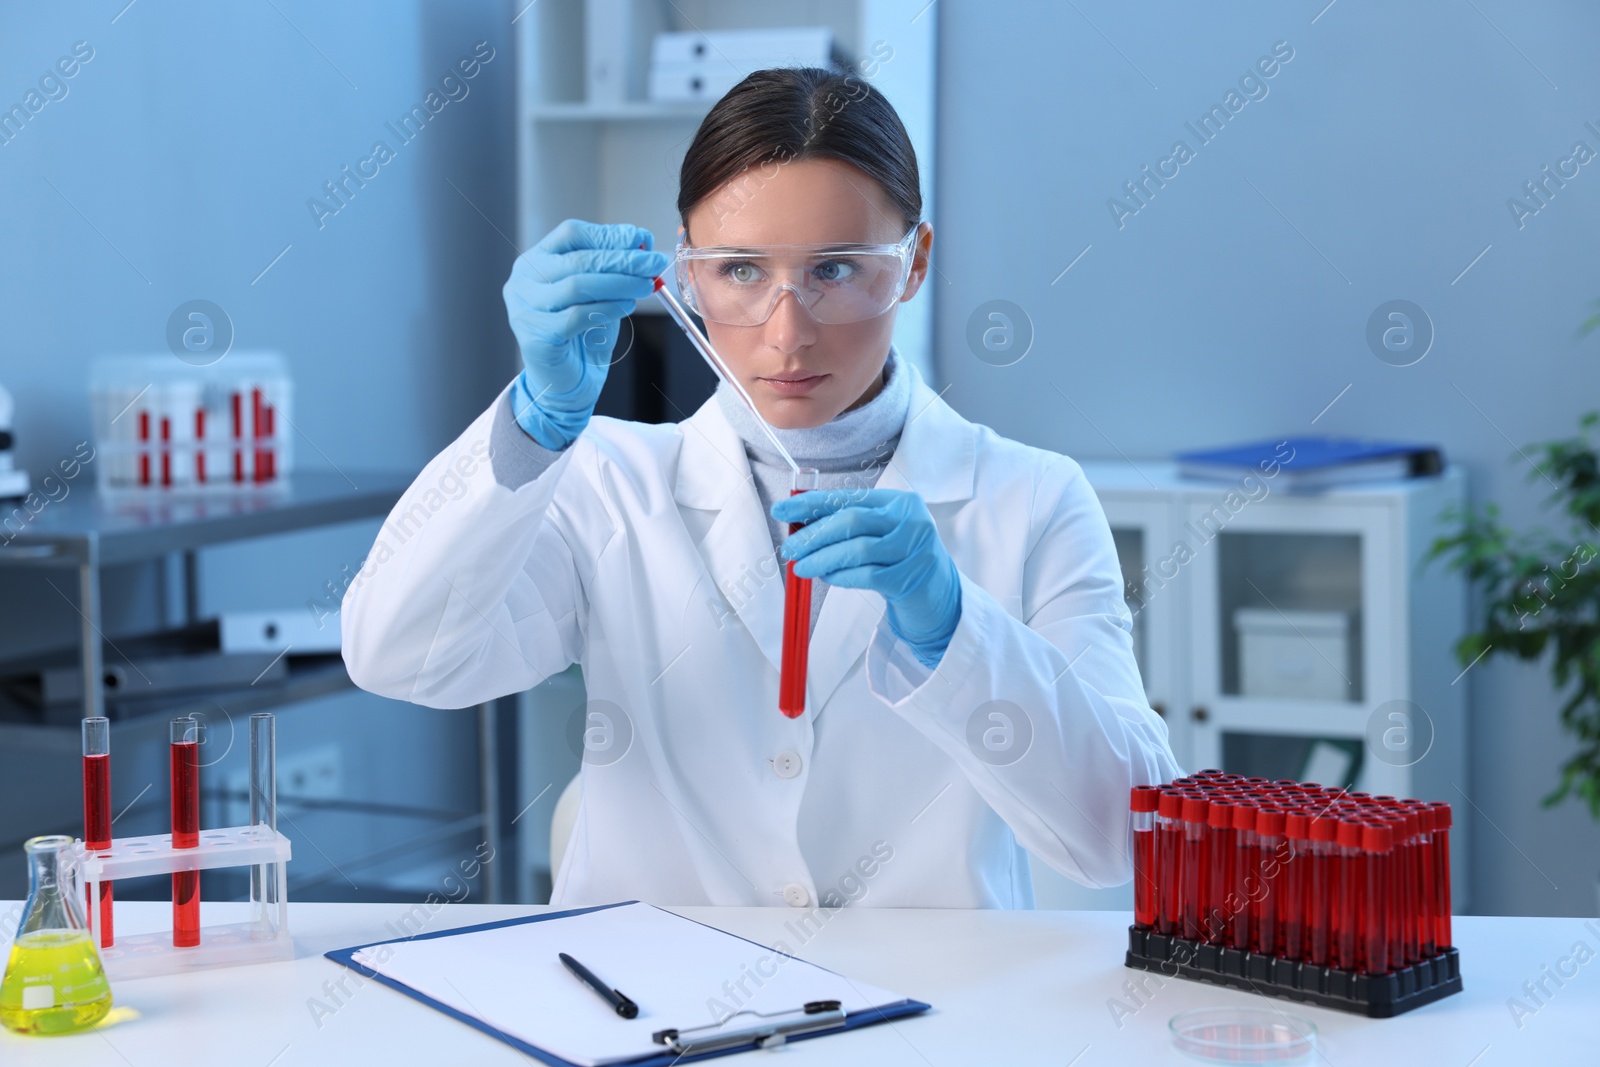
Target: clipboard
pixel 679 1039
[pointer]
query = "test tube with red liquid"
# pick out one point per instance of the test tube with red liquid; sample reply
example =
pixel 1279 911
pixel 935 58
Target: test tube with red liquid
pixel 1196 811
pixel 1243 880
pixel 1144 801
pixel 1377 846
pixel 1292 903
pixel 97 813
pixel 1270 865
pixel 796 619
pixel 1215 913
pixel 1169 862
pixel 1350 891
pixel 1441 876
pixel 185 754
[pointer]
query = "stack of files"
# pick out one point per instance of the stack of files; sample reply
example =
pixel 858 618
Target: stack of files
pixel 1307 464
pixel 705 65
pixel 701 984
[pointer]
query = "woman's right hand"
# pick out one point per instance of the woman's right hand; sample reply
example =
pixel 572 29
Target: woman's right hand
pixel 565 299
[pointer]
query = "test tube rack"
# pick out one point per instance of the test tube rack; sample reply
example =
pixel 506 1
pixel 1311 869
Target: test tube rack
pixel 1377 996
pixel 264 938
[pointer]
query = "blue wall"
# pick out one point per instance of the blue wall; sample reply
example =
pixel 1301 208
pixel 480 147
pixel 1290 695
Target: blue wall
pixel 188 147
pixel 1387 147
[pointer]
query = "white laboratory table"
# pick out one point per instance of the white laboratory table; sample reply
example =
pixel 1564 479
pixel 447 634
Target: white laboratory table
pixel 1015 987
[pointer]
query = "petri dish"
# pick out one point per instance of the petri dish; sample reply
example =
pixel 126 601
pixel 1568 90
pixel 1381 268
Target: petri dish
pixel 1243 1035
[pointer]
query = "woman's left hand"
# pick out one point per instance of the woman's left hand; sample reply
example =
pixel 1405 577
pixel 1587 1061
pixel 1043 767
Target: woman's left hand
pixel 883 540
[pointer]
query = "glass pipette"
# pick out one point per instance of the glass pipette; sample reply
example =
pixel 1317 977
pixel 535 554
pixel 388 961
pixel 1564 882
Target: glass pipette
pixel 796 590
pixel 709 354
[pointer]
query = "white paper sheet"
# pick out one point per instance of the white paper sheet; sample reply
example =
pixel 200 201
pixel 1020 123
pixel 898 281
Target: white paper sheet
pixel 681 973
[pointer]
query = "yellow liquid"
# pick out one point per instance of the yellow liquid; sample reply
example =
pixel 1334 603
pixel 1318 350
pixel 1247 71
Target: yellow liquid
pixel 53 984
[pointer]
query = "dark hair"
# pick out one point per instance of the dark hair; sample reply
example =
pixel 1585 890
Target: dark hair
pixel 784 114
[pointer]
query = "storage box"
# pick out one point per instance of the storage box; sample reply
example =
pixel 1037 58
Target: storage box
pixel 704 66
pixel 1299 655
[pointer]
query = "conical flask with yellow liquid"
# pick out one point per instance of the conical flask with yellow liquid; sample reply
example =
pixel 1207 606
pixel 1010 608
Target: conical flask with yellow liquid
pixel 54 983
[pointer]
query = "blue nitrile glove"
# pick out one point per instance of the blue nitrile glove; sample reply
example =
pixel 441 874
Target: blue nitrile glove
pixel 883 540
pixel 565 298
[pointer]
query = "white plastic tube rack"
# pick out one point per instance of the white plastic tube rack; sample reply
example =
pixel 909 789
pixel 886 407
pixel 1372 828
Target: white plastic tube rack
pixel 265 937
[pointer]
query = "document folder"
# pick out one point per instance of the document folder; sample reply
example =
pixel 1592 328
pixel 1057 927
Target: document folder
pixel 700 991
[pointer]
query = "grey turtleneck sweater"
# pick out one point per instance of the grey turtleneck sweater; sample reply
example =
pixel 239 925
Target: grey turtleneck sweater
pixel 850 451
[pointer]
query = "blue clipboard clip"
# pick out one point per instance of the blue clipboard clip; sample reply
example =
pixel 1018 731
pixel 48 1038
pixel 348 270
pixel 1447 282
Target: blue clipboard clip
pixel 775 1028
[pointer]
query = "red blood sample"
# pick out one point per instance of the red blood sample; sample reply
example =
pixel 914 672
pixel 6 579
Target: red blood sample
pixel 1377 844
pixel 1143 802
pixel 1169 862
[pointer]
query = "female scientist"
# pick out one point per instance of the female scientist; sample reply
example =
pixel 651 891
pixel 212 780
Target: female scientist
pixel 972 688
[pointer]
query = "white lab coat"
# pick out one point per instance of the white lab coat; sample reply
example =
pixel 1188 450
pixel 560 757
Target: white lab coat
pixel 644 555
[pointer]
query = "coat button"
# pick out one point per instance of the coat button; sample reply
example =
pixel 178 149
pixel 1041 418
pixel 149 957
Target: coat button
pixel 796 895
pixel 786 764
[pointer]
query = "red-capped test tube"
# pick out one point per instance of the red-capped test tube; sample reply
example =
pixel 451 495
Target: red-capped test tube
pixel 1243 882
pixel 1377 842
pixel 1350 893
pixel 1143 802
pixel 1216 909
pixel 1320 891
pixel 1408 897
pixel 1422 868
pixel 185 750
pixel 1294 906
pixel 97 814
pixel 1169 862
pixel 1266 893
pixel 1193 865
pixel 1441 876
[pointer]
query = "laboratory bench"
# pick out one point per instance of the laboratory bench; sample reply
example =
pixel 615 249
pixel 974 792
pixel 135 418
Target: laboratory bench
pixel 1007 987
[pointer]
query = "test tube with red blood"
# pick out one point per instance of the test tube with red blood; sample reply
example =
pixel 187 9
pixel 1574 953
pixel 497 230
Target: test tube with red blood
pixel 1269 868
pixel 1441 875
pixel 1143 803
pixel 1403 822
pixel 1169 862
pixel 1296 891
pixel 1377 840
pixel 1422 870
pixel 185 804
pixel 1349 889
pixel 200 444
pixel 272 447
pixel 1194 865
pixel 1320 890
pixel 1215 910
pixel 257 424
pixel 237 405
pixel 1398 896
pixel 1244 882
pixel 144 452
pixel 97 816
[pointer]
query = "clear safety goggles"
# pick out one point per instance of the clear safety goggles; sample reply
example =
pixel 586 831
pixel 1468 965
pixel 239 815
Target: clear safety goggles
pixel 835 283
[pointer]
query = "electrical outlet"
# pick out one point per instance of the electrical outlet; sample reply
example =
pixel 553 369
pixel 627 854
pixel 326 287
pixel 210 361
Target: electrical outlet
pixel 313 774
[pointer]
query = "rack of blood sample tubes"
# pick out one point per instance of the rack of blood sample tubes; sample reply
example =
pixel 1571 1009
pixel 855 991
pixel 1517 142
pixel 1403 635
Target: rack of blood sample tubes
pixel 164 426
pixel 1294 890
pixel 101 859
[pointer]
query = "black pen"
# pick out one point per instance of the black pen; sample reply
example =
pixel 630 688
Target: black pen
pixel 624 1007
